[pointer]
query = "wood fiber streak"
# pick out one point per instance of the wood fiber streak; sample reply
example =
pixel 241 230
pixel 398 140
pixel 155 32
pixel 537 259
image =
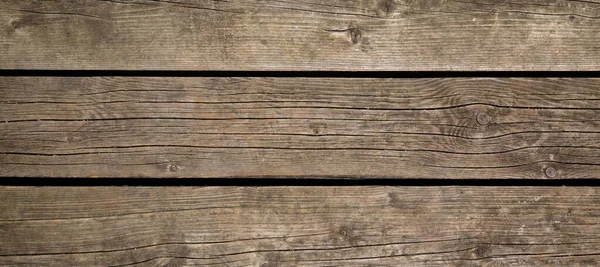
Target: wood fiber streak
pixel 458 128
pixel 300 226
pixel 394 35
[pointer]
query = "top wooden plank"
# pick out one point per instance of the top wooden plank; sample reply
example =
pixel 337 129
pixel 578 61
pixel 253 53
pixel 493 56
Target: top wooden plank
pixel 270 35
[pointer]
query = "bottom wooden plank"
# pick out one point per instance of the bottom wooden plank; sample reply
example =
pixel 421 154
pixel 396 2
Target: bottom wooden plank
pixel 300 226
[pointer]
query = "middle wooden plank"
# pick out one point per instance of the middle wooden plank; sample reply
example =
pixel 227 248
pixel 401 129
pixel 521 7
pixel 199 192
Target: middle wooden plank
pixel 299 127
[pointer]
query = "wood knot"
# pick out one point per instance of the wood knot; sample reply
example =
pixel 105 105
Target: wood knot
pixel 569 212
pixel 550 172
pixel 318 128
pixel 70 139
pixel 386 6
pixel 16 24
pixel 173 168
pixel 394 199
pixel 398 202
pixel 345 231
pixel 483 119
pixel 482 250
pixel 268 264
pixel 355 35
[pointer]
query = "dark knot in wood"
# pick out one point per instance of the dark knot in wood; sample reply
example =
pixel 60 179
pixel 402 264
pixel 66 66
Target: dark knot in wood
pixel 386 6
pixel 550 172
pixel 355 35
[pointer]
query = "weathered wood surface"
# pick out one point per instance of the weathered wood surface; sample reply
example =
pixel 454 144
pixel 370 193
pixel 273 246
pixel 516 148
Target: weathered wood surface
pixel 299 127
pixel 406 35
pixel 300 226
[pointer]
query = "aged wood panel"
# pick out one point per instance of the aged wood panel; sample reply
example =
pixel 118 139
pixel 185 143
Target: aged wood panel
pixel 299 127
pixel 407 35
pixel 300 226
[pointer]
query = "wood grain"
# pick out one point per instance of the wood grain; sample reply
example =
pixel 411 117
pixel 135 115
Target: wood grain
pixel 458 128
pixel 300 226
pixel 395 35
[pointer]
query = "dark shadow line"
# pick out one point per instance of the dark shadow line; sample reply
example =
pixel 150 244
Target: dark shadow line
pixel 302 74
pixel 168 182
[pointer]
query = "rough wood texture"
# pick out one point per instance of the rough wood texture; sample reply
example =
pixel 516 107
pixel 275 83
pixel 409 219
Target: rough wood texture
pixel 300 226
pixel 300 35
pixel 299 127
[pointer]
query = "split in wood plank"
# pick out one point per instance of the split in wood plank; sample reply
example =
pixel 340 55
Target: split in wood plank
pixel 300 226
pixel 457 128
pixel 397 35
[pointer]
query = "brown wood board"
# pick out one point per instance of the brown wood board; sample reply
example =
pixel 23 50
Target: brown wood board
pixel 458 128
pixel 300 226
pixel 401 35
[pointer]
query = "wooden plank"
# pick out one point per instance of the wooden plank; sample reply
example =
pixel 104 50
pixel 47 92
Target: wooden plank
pixel 300 226
pixel 456 128
pixel 395 35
